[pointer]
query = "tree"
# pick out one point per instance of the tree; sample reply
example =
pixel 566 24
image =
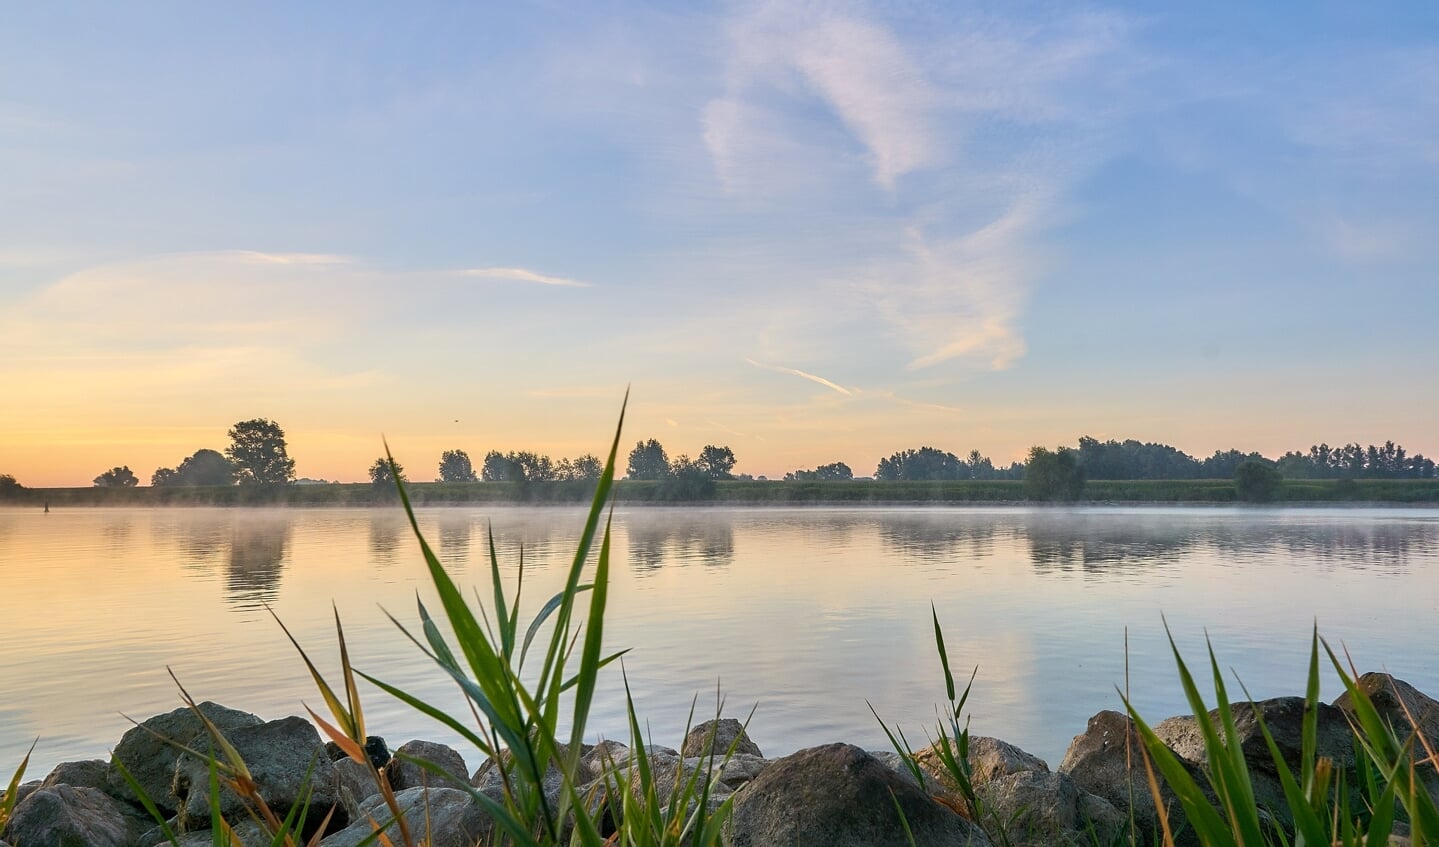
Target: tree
pixel 381 474
pixel 926 463
pixel 687 481
pixel 648 461
pixel 258 451
pixel 1256 481
pixel 1054 475
pixel 455 467
pixel 204 467
pixel 833 472
pixel 716 462
pixel 121 477
pixel 500 468
pixel 9 487
pixel 586 468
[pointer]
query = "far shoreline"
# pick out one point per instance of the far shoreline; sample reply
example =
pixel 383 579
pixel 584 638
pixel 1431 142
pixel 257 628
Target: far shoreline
pixel 742 493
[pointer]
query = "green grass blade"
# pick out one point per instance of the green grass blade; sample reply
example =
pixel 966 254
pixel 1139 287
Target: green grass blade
pixel 584 690
pixel 507 633
pixel 943 655
pixel 145 801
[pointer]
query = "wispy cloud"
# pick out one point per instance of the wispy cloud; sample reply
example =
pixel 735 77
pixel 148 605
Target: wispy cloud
pixel 857 69
pixel 524 275
pixel 819 380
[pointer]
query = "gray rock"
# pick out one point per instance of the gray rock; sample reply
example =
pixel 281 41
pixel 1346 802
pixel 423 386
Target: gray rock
pixel 605 756
pixel 355 783
pixel 715 737
pixel 1107 761
pixel 1397 702
pixel 87 774
pixel 989 758
pixel 1284 718
pixel 406 774
pixel 251 834
pixel 740 769
pixel 67 816
pixel 23 790
pixel 840 796
pixel 151 760
pixel 489 778
pixel 284 757
pixel 447 817
pixel 1043 808
pixel 375 749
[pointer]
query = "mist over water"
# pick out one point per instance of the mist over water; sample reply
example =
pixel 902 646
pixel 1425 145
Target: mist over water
pixel 804 614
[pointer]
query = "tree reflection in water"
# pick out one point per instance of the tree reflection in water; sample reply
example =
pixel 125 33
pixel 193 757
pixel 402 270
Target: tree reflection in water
pixel 257 558
pixel 657 540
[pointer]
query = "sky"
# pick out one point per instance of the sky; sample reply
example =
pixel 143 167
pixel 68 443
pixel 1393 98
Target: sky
pixel 809 231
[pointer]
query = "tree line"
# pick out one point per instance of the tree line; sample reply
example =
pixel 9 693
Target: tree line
pixel 258 455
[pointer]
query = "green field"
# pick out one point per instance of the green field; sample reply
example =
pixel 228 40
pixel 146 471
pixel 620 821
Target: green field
pixel 726 493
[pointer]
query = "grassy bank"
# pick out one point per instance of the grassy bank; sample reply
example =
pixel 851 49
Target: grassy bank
pixel 728 492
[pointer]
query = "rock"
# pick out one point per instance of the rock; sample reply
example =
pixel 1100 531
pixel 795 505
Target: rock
pixel 151 760
pixel 87 774
pixel 67 816
pixel 23 790
pixel 1107 761
pixel 740 769
pixel 251 834
pixel 989 758
pixel 840 796
pixel 447 817
pixel 1284 718
pixel 1397 701
pixel 1042 808
pixel 354 783
pixel 285 758
pixel 716 737
pixel 605 756
pixel 406 774
pixel 375 748
pixel 488 778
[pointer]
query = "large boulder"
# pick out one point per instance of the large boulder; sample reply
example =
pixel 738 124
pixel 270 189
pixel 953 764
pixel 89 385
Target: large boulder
pixel 149 750
pixel 404 773
pixel 1284 718
pixel 67 816
pixel 92 773
pixel 440 817
pixel 839 795
pixel 287 761
pixel 989 759
pixel 1107 760
pixel 490 779
pixel 714 738
pixel 1034 807
pixel 1405 709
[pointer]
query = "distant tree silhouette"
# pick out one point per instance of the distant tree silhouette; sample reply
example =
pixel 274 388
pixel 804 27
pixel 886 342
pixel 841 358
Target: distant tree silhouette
pixel 455 467
pixel 259 453
pixel 1256 481
pixel 1053 475
pixel 381 473
pixel 204 467
pixel 648 461
pixel 716 462
pixel 121 477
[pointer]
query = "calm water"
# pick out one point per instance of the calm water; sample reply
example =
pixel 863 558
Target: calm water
pixel 807 614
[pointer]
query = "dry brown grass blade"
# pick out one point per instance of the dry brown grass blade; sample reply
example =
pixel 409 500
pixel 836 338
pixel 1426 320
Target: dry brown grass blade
pixel 343 741
pixel 1159 811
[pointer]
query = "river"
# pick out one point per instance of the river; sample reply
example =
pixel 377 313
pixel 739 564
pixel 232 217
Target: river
pixel 807 616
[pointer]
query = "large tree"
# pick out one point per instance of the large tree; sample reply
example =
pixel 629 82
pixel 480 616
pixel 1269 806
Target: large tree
pixel 1053 474
pixel 1256 481
pixel 381 473
pixel 926 463
pixel 121 477
pixel 259 453
pixel 716 462
pixel 9 487
pixel 204 467
pixel 586 468
pixel 648 461
pixel 455 467
pixel 501 468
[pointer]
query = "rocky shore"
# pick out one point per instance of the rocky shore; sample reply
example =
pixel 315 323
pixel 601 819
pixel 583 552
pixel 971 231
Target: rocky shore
pixel 836 795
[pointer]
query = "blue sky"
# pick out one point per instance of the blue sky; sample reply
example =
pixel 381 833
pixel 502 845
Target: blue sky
pixel 810 231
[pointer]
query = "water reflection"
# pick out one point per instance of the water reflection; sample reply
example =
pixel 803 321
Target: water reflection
pixel 385 528
pixel 257 560
pixel 655 541
pixel 942 536
pixel 456 529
